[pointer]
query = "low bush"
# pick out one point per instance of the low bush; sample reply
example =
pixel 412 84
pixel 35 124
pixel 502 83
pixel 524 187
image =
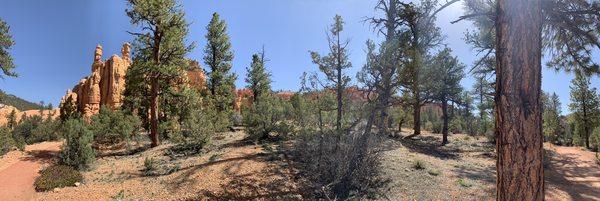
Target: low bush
pixel 185 149
pixel 456 125
pixel 197 128
pixel 338 164
pixel 111 127
pixel 428 126
pixel 490 136
pixel 434 172
pixel 6 140
pixel 77 151
pixel 464 183
pixel 437 127
pixel 57 176
pixel 24 129
pixel 47 130
pixel 237 119
pixel 150 167
pixel 595 139
pixel 418 165
pixel 267 117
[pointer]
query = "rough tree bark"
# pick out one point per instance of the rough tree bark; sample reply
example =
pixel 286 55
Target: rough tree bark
pixel 518 108
pixel 154 113
pixel 154 90
pixel 416 114
pixel 445 127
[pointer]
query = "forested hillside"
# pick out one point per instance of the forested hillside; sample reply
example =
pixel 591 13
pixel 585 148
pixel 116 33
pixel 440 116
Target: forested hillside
pixel 19 103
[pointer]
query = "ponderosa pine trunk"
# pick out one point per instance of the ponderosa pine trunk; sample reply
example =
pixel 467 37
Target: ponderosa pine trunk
pixel 154 91
pixel 154 113
pixel 416 115
pixel 517 101
pixel 445 127
pixel 586 126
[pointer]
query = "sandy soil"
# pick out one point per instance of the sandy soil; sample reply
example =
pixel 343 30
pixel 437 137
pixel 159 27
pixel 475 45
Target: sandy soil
pixel 467 170
pixel 18 170
pixel 232 169
pixel 573 174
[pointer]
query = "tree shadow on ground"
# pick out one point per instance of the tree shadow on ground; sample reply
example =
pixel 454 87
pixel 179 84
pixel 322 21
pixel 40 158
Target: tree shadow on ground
pixel 429 145
pixel 561 171
pixel 248 176
pixel 484 174
pixel 124 151
pixel 40 155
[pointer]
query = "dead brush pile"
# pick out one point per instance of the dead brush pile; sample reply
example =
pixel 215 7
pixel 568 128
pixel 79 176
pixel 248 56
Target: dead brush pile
pixel 338 165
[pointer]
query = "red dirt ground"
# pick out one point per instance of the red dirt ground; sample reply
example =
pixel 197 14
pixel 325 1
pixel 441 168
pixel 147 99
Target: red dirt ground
pixel 18 170
pixel 573 175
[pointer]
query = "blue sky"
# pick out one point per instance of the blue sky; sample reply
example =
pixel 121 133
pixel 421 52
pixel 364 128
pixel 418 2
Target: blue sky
pixel 55 40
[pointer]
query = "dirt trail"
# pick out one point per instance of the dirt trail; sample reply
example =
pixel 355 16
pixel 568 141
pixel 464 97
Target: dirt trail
pixel 18 170
pixel 573 175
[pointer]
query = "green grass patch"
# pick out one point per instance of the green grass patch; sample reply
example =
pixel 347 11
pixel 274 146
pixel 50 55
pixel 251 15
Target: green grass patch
pixel 465 183
pixel 434 172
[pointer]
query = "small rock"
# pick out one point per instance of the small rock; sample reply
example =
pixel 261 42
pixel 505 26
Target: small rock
pixel 56 190
pixel 77 184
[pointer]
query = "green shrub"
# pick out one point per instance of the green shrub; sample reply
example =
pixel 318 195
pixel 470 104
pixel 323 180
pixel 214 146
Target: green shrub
pixel 465 183
pixel 490 136
pixel 150 167
pixel 428 126
pixel 418 165
pixel 437 127
pixel 456 125
pixel 197 127
pixel 434 172
pixel 267 117
pixel 6 141
pixel 24 129
pixel 57 176
pixel 111 127
pixel 237 119
pixel 595 139
pixel 77 151
pixel 47 130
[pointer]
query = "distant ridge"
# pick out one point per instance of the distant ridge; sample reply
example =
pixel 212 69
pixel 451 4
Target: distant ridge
pixel 19 103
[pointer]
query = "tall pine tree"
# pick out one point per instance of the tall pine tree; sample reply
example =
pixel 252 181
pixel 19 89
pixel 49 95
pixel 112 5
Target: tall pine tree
pixel 218 57
pixel 6 43
pixel 444 85
pixel 551 126
pixel 334 64
pixel 159 51
pixel 585 104
pixel 381 72
pixel 258 78
pixel 422 35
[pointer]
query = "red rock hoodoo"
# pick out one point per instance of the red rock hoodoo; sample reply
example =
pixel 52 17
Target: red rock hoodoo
pixel 105 86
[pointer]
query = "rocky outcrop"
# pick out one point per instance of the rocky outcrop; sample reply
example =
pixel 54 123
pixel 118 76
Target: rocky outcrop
pixel 5 111
pixel 113 83
pixel 196 76
pixel 104 86
pixel 243 99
